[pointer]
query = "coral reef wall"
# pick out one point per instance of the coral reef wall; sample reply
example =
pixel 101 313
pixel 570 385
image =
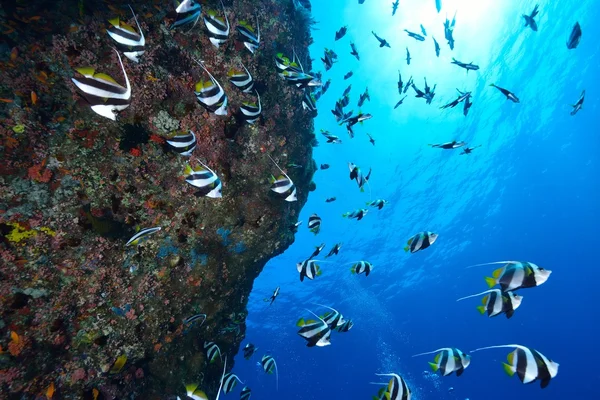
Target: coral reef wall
pixel 76 302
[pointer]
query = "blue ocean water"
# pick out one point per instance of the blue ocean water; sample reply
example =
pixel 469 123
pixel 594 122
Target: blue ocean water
pixel 530 193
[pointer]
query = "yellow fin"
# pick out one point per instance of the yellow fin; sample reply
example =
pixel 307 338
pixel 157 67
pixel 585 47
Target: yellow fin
pixel 490 281
pixel 301 322
pixel 496 274
pixel 481 310
pixel 406 248
pixel 437 358
pixel 485 299
pixel 511 357
pixel 191 388
pixel 508 369
pixel 127 27
pixel 118 365
pixel 188 170
pixel 104 77
pixel 86 71
pixel 434 367
pixel 114 21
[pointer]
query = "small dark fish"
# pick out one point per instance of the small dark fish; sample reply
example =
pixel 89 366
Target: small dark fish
pixel 245 393
pixel 399 102
pixel 354 52
pixel 407 57
pixel 415 36
pixel 317 251
pixel 330 137
pixel 348 75
pixel 468 66
pixel 341 33
pixel 360 117
pixel 324 166
pixel 509 95
pixel 579 105
pixel 363 97
pixel 346 326
pixel 423 31
pixel 438 5
pixel 448 145
pixel 329 200
pixel 529 19
pixel 395 7
pixel 274 296
pixel 335 250
pixel 437 47
pixel 346 93
pixel 575 37
pixel 249 350
pixel 309 101
pixel 371 139
pixel 400 83
pixel 469 150
pixel 382 42
pixel 408 85
pixel 379 203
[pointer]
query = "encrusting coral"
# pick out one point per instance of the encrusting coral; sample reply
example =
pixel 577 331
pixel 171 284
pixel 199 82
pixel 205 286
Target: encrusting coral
pixel 83 315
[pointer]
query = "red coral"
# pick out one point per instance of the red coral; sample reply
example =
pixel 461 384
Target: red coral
pixel 35 172
pixel 135 152
pixel 157 139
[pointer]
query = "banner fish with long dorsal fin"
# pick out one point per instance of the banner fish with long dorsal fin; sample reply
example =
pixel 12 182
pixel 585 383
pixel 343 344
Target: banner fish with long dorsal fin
pixel 218 29
pixel 448 360
pixel 496 302
pixel 128 40
pixel 516 275
pixel 529 364
pixel 211 94
pixel 316 332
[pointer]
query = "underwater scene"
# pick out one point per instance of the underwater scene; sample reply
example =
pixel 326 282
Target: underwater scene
pixel 299 199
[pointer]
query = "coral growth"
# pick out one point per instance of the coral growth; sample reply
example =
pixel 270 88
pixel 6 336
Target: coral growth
pixel 80 312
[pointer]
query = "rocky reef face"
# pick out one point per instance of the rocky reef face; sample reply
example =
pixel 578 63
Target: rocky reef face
pixel 74 299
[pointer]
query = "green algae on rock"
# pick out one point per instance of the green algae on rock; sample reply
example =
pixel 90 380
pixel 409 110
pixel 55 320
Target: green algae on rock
pixel 75 186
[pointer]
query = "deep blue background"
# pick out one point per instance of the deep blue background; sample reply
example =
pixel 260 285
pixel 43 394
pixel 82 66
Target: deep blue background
pixel 530 193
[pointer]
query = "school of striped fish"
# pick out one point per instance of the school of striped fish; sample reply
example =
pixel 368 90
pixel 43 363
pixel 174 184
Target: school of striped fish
pixel 108 98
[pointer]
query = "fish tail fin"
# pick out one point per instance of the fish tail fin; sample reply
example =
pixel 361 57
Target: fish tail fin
pixel 406 248
pixel 490 281
pixel 481 310
pixel 345 215
pixel 188 169
pixel 190 388
pixel 352 270
pixel 434 367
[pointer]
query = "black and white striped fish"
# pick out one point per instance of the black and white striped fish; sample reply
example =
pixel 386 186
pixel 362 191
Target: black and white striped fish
pixel 314 223
pixel 516 275
pixel 249 350
pixel 270 366
pixel 448 360
pixel 362 266
pixel 529 364
pixel 379 203
pixel 335 250
pixel 128 40
pixel 250 39
pixel 196 394
pixel 104 94
pixel 218 29
pixel 204 179
pixel 420 241
pixel 187 11
pixel 194 318
pixel 309 101
pixel 245 393
pixel 309 269
pixel 356 173
pixel 496 302
pixel 183 143
pixel 358 214
pixel 333 318
pixel 229 382
pixel 283 185
pixel 242 80
pixel 346 326
pixel 396 389
pixel 317 333
pixel 251 111
pixel 274 296
pixel 211 94
pixel 331 138
pixel 212 351
pixel 142 234
pixel 283 63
